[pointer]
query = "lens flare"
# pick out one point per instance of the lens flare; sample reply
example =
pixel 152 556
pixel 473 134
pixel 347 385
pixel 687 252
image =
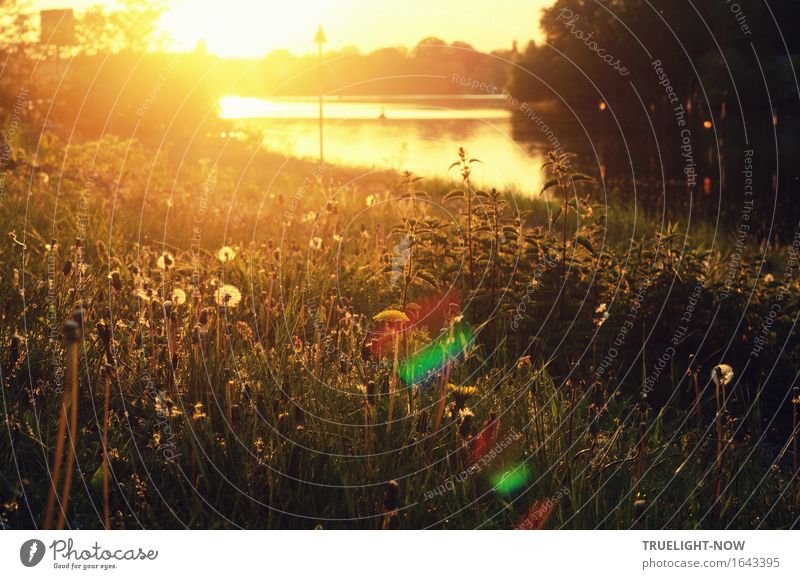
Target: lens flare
pixel 434 357
pixel 511 480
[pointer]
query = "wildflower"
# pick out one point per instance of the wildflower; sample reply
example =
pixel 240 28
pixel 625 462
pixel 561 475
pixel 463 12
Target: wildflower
pixel 466 421
pixel 601 308
pixel 391 316
pixel 370 200
pixel 310 216
pixel 337 238
pixel 165 261
pixel 524 362
pixel 602 319
pixel 769 278
pixel 227 296
pixel 722 375
pixel 226 254
pixel 315 243
pixel 198 411
pixel 178 297
pixel 461 394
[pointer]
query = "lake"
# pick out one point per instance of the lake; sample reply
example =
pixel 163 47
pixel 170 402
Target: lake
pixel 420 134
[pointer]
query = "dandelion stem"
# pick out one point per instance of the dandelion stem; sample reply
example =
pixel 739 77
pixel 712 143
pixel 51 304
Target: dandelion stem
pixel 106 404
pixel 72 373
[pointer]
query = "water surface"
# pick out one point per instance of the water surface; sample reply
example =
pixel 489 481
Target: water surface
pixel 420 134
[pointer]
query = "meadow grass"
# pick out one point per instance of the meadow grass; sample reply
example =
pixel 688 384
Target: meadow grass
pixel 265 343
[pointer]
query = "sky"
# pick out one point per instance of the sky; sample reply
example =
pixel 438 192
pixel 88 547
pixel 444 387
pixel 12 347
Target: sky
pixel 253 28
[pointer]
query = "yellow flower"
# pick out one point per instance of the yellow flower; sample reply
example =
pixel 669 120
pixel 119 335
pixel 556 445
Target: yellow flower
pixel 228 296
pixel 226 254
pixel 391 316
pixel 462 392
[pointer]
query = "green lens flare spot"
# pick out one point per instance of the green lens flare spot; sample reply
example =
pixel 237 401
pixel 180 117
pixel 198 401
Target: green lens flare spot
pixel 436 355
pixel 511 480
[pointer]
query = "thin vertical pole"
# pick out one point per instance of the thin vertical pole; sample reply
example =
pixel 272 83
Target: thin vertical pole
pixel 320 39
pixel 319 73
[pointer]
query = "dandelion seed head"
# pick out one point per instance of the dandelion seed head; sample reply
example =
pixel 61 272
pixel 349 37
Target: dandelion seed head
pixel 165 261
pixel 227 296
pixel 178 296
pixel 722 374
pixel 226 254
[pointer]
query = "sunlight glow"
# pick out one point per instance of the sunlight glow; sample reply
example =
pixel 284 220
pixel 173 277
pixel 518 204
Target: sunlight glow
pixel 243 28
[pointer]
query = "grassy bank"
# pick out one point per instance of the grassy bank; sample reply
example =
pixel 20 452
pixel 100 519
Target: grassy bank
pixel 254 341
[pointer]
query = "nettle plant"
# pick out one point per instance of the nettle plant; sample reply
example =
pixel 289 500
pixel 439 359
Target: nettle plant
pixel 409 265
pixel 563 181
pixel 499 244
pixel 471 211
pixel 415 258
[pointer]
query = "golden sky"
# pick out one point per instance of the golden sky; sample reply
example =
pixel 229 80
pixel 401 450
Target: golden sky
pixel 256 27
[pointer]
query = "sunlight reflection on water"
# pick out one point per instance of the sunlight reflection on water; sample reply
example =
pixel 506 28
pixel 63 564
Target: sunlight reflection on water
pixel 421 135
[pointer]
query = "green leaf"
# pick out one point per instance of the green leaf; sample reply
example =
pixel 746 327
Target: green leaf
pixel 97 478
pixel 548 185
pixel 556 215
pixel 456 194
pixel 576 177
pixel 580 240
pixel 427 278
